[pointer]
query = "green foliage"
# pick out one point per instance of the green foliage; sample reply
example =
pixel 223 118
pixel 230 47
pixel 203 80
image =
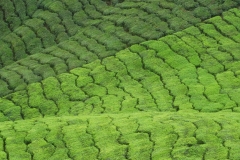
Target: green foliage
pixel 229 17
pixel 223 99
pixel 82 94
pixel 137 139
pixel 215 9
pixel 6 55
pixel 41 149
pixel 209 81
pixel 211 64
pixel 73 6
pixel 27 75
pixel 49 18
pixel 83 78
pixel 137 48
pixel 9 110
pixel 62 37
pixel 47 37
pixel 31 6
pixel 189 4
pixel 140 139
pixel 167 4
pixel 235 11
pixel 60 52
pixel 21 10
pixel 202 12
pixel 38 100
pixel 222 57
pixel 56 6
pixel 17 46
pixel 70 27
pixel 94 46
pixel 225 28
pixel 33 44
pixel 227 80
pixel 188 75
pixel 81 52
pixel 177 23
pixel 80 17
pixel 4 87
pixel 94 90
pixel 210 30
pixel 228 4
pixel 21 99
pixel 44 71
pixel 91 11
pixel 69 86
pixel 34 23
pixel 13 79
pixel 73 142
pixel 52 88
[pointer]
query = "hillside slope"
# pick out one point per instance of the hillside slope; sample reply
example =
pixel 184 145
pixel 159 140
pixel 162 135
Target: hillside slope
pixel 174 97
pixel 194 69
pixel 155 135
pixel 51 37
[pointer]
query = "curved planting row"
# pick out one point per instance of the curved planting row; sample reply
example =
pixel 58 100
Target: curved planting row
pixel 29 27
pixel 194 69
pixel 82 50
pixel 76 92
pixel 123 136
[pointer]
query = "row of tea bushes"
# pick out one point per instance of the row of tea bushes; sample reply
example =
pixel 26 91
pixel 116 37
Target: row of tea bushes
pixel 123 136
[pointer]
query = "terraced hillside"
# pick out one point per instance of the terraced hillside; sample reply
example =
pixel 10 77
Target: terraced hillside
pixel 92 79
pixel 48 37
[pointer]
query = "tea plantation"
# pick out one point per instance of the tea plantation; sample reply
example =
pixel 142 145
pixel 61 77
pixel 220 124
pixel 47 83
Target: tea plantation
pixel 119 79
